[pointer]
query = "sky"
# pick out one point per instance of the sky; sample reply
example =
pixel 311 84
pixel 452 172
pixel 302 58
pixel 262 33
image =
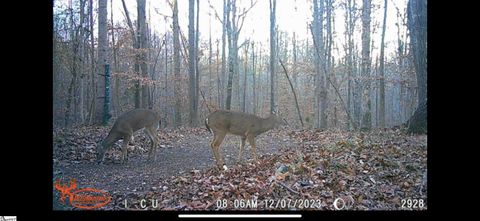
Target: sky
pixel 292 16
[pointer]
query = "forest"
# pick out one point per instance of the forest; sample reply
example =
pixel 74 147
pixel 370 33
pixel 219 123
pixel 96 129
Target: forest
pixel 343 84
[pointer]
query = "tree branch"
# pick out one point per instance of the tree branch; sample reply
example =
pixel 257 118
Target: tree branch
pixel 293 90
pixel 159 50
pixel 215 11
pixel 243 15
pixel 129 21
pixel 246 11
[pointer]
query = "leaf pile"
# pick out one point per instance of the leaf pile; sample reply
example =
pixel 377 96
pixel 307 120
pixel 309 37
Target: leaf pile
pixel 368 171
pixel 78 144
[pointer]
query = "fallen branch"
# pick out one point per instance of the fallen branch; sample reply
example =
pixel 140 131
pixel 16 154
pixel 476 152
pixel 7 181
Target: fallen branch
pixel 286 187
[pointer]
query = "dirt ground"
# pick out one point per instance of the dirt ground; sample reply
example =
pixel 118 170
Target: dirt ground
pixel 188 152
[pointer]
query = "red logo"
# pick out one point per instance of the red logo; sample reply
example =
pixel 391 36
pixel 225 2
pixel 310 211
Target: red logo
pixel 85 198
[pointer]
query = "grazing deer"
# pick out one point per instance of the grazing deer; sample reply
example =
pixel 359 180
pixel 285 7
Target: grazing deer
pixel 247 126
pixel 124 127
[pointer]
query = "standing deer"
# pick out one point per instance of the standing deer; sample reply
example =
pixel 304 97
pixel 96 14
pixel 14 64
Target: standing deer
pixel 247 126
pixel 124 127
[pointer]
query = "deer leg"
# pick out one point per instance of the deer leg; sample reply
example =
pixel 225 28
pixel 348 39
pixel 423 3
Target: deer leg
pixel 154 141
pixel 126 140
pixel 241 149
pixel 219 136
pixel 251 140
pixel 149 132
pixel 213 141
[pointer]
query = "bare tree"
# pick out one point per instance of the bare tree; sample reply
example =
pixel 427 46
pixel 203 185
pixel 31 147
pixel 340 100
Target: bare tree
pixel 74 102
pixel 245 66
pixel 197 61
pixel 381 116
pixel 273 8
pixel 93 102
pixel 231 52
pixel 329 76
pixel 191 61
pixel 142 52
pixel 103 82
pixel 294 68
pixel 254 73
pixel 352 84
pixel 210 53
pixel 81 51
pixel 176 66
pixel 116 95
pixel 417 25
pixel 136 45
pixel 221 75
pixel 224 55
pixel 367 116
pixel 320 66
pixel 234 26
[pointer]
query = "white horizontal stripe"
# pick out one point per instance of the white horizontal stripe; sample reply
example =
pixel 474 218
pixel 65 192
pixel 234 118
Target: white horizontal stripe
pixel 239 215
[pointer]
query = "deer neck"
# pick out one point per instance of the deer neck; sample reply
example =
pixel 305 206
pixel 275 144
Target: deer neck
pixel 267 124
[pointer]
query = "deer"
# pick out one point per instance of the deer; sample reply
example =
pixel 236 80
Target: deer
pixel 247 126
pixel 124 128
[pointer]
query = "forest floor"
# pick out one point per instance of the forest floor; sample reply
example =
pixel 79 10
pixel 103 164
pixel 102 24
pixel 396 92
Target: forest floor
pixel 307 169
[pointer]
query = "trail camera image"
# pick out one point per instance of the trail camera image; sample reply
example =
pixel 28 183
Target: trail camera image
pixel 239 105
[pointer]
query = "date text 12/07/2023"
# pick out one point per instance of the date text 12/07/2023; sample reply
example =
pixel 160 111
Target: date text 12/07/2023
pixel 268 204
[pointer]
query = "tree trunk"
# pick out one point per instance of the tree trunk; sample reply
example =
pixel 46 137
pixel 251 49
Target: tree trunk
pixel 273 6
pixel 417 25
pixel 102 113
pixel 219 80
pixel 294 68
pixel 197 72
pixel 245 71
pixel 328 57
pixel 254 89
pixel 210 72
pixel 350 27
pixel 176 66
pixel 81 67
pixel 367 116
pixel 230 57
pixel 93 102
pixel 224 56
pixel 142 46
pixel 191 61
pixel 323 70
pixel 320 67
pixel 167 103
pixel 73 70
pixel 417 124
pixel 136 45
pixel 116 95
pixel 381 116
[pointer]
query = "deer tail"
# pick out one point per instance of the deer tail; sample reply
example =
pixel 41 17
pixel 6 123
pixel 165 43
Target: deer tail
pixel 206 124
